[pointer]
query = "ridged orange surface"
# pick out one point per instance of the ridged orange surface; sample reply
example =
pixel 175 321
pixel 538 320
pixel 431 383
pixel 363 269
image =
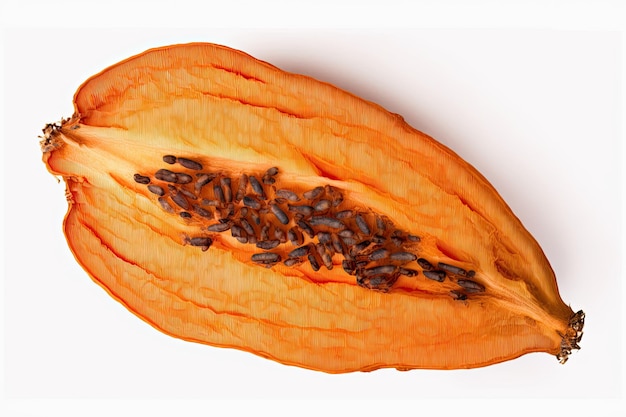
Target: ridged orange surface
pixel 460 283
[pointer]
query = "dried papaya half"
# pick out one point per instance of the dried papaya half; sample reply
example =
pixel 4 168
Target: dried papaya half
pixel 230 203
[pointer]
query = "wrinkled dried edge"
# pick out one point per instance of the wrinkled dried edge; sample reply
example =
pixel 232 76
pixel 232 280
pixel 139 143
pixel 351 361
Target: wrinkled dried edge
pixel 49 141
pixel 572 337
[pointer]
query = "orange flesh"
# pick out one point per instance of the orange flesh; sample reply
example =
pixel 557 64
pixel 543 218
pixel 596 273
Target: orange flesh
pixel 236 114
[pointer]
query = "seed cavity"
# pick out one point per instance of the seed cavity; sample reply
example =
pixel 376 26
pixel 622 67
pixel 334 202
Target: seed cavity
pixel 370 248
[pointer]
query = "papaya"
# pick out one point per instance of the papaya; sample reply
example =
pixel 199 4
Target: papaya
pixel 227 202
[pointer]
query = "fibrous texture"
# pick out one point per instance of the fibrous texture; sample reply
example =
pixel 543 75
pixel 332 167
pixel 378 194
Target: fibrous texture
pixel 227 202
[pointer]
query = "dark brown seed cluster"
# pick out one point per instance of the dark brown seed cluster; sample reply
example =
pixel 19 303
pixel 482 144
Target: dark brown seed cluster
pixel 295 228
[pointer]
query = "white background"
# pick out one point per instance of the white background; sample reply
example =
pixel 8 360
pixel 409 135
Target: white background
pixel 535 107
